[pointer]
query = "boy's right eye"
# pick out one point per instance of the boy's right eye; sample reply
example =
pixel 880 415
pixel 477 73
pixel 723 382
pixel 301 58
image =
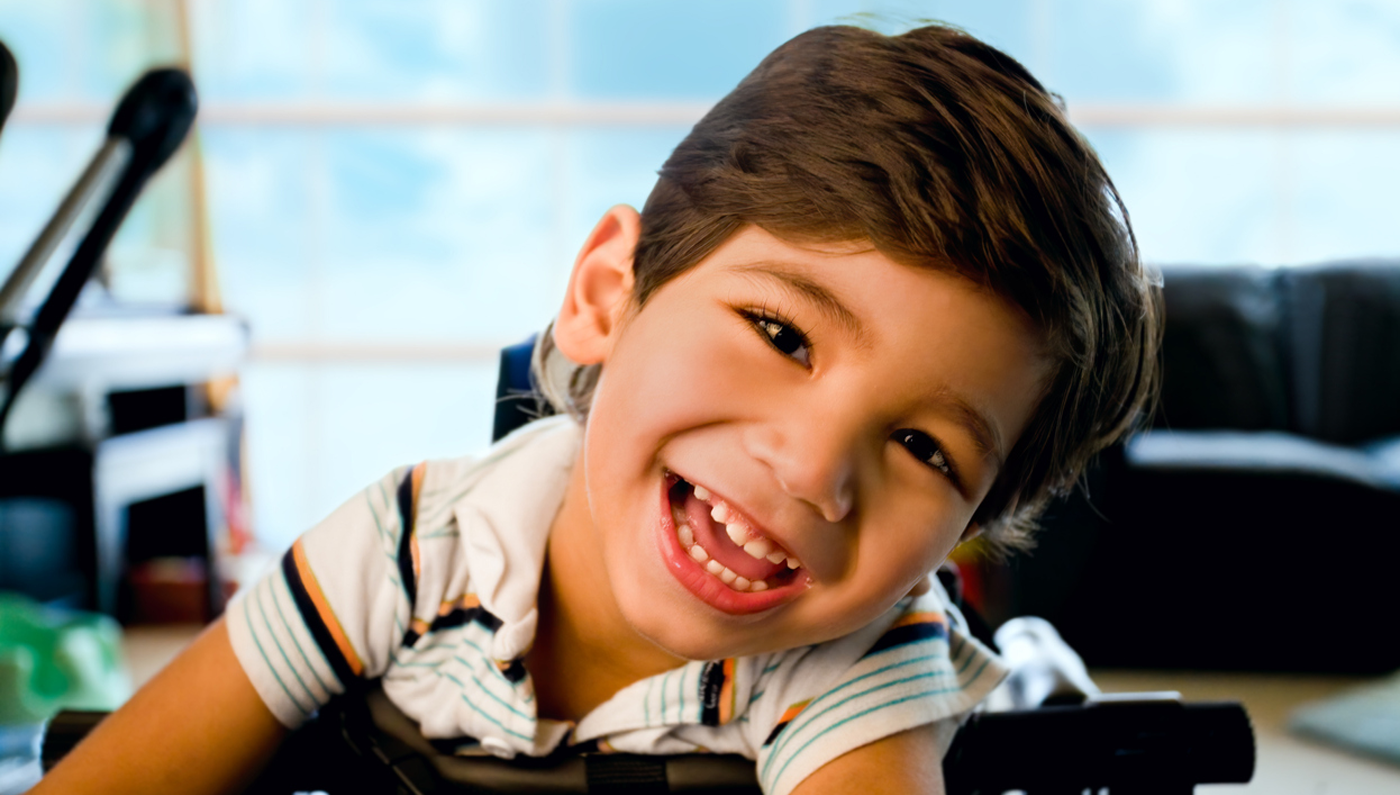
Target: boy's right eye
pixel 783 336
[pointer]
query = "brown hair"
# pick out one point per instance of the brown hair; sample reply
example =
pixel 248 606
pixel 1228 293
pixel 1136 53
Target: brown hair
pixel 944 153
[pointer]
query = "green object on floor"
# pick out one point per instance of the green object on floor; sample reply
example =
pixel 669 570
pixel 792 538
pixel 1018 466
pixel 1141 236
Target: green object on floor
pixel 57 659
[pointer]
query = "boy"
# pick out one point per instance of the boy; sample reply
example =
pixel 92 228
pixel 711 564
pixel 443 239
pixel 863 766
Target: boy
pixel 882 298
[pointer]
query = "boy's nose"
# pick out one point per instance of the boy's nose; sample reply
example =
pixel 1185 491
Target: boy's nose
pixel 812 460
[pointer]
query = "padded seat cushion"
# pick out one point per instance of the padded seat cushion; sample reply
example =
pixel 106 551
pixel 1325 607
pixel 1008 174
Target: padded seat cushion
pixel 1221 358
pixel 1265 452
pixel 1385 453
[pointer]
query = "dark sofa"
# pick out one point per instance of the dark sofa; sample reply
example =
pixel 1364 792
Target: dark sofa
pixel 1256 525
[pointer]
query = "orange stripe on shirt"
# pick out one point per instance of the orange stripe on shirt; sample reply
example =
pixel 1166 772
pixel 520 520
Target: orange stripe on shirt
pixel 323 608
pixel 793 711
pixel 927 617
pixel 419 472
pixel 465 602
pixel 726 693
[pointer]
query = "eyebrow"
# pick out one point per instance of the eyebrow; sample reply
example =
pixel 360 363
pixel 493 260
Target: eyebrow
pixel 825 300
pixel 985 435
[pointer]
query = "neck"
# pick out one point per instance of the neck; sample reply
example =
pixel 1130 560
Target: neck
pixel 584 649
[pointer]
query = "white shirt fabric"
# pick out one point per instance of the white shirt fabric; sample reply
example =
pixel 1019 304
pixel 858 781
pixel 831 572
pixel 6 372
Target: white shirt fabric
pixel 428 579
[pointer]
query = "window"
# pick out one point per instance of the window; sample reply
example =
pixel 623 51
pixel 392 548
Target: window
pixel 396 190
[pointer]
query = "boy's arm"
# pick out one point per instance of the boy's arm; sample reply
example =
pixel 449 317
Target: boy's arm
pixel 908 762
pixel 198 727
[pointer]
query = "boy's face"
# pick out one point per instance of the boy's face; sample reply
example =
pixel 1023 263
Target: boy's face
pixel 834 408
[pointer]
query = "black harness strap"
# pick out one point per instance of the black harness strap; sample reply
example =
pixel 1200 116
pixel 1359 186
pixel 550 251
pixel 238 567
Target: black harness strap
pixel 626 774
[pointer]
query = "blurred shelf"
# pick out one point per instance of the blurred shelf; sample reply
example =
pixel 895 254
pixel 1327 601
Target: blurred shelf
pixel 140 351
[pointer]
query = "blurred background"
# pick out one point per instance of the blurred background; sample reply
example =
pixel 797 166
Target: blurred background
pixel 379 195
pixel 394 190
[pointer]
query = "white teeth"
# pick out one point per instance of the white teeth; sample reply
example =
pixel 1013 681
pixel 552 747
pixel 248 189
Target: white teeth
pixel 758 548
pixel 737 533
pixel 726 575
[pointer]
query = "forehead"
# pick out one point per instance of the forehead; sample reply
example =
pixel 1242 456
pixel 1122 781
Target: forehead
pixel 819 269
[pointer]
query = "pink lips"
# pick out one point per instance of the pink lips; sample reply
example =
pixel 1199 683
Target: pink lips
pixel 705 586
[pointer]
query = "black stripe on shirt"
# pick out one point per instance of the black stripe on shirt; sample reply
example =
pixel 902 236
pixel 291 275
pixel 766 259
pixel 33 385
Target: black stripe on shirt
pixel 410 580
pixel 926 630
pixel 777 730
pixel 465 615
pixel 711 685
pixel 458 617
pixel 317 626
pixel 514 671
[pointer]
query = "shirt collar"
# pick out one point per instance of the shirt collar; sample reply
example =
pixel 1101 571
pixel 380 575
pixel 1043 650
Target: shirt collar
pixel 505 518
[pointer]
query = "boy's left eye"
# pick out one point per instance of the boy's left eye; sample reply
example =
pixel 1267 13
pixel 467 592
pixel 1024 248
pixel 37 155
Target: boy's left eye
pixel 788 340
pixel 925 448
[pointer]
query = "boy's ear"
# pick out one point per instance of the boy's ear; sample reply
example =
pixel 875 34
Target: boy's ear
pixel 599 288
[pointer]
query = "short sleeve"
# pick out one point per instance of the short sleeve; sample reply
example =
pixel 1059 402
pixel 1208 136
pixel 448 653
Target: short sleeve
pixel 914 668
pixel 335 607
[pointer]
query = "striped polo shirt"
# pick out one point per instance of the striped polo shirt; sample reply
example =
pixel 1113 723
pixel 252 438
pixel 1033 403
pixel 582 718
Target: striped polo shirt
pixel 428 580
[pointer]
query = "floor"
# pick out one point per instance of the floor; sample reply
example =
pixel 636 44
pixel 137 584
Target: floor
pixel 1286 765
pixel 149 648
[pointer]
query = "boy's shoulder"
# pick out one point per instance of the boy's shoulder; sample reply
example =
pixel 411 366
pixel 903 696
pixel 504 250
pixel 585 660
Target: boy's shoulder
pixel 916 665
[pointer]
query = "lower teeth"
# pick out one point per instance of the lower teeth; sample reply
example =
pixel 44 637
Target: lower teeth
pixel 697 553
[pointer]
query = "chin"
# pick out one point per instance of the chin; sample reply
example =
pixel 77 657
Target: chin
pixel 687 648
pixel 659 612
pixel 676 639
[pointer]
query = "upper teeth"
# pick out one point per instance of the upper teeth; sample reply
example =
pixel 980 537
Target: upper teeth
pixel 759 548
pixel 755 546
pixel 737 533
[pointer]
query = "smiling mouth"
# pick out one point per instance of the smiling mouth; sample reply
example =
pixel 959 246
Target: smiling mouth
pixel 725 545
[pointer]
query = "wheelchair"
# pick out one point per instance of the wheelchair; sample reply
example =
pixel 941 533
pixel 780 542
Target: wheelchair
pixel 1062 739
pixel 362 743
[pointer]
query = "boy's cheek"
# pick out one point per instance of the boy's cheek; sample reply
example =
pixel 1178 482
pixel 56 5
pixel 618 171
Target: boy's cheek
pixel 685 380
pixel 909 566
